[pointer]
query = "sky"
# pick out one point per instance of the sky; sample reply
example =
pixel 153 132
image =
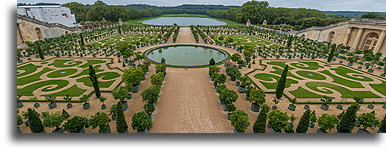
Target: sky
pixel 331 5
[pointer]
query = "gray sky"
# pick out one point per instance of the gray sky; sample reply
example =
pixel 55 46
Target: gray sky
pixel 334 5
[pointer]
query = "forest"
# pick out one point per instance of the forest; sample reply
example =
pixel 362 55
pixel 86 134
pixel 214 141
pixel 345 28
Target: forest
pixel 256 11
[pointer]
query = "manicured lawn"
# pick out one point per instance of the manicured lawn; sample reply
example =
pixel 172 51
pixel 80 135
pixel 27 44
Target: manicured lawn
pixel 103 76
pixel 346 93
pixel 323 78
pixel 300 92
pixel 28 90
pixel 29 68
pixel 130 39
pixel 32 78
pixel 61 73
pixel 270 77
pixel 247 41
pixel 72 91
pixel 55 82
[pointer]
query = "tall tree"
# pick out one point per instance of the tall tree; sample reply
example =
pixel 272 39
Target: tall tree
pixel 348 120
pixel 40 51
pixel 281 84
pixel 261 121
pixel 121 121
pixel 278 120
pixel 36 125
pixel 304 122
pixel 382 127
pixel 81 40
pixel 331 55
pixel 94 80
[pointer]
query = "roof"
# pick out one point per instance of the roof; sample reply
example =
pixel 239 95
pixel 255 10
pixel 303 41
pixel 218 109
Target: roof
pixel 43 6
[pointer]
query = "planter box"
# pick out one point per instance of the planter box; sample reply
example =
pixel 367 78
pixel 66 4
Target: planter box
pixel 19 104
pixel 113 117
pixel 135 88
pixel 69 105
pixel 129 97
pixel 247 97
pixel 291 107
pixel 52 105
pixel 255 107
pixel 241 89
pixel 18 130
pixel 306 107
pixel 370 106
pixel 384 106
pixel 103 106
pixel 311 125
pixel 339 107
pixel 86 105
pixel 274 107
pixel 36 105
pixel 124 105
pixel 324 106
pixel 237 83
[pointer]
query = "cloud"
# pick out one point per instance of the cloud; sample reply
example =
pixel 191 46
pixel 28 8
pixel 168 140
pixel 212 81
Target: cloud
pixel 334 5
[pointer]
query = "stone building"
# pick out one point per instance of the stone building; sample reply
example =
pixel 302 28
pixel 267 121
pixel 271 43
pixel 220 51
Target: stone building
pixel 357 33
pixel 29 29
pixel 49 14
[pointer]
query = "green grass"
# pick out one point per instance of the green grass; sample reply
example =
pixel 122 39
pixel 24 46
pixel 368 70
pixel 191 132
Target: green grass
pixel 381 88
pixel 311 75
pixel 300 92
pixel 127 39
pixel 61 73
pixel 342 81
pixel 32 78
pixel 92 62
pixel 309 65
pixel 104 76
pixel 29 68
pixel 28 90
pixel 247 41
pixel 346 93
pixel 343 71
pixel 60 63
pixel 270 77
pixel 86 71
pixel 72 91
pixel 138 21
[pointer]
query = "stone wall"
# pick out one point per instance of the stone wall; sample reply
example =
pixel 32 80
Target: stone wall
pixel 341 29
pixel 26 30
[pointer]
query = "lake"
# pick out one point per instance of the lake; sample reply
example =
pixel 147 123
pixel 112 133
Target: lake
pixel 184 21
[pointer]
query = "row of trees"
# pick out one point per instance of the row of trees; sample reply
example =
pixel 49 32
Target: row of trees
pixel 100 10
pixel 258 11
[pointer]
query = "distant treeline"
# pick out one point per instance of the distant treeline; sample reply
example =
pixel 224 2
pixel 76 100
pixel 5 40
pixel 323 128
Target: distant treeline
pixel 185 8
pixel 352 13
pixel 100 10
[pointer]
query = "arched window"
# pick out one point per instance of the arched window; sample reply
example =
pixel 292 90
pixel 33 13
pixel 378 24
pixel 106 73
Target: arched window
pixel 331 36
pixel 39 33
pixel 370 41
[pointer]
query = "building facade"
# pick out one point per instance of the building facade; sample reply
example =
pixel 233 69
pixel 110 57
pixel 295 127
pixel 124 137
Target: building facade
pixel 49 14
pixel 359 34
pixel 29 29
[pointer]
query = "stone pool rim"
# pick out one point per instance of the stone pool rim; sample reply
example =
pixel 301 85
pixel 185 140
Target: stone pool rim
pixel 226 54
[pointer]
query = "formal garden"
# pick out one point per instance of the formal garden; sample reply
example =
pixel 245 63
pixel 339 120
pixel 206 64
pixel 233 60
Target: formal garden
pixel 309 79
pixel 64 77
pixel 261 81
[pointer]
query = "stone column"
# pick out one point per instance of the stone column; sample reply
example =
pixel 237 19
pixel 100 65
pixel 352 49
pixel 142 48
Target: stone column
pixel 380 41
pixel 347 37
pixel 357 39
